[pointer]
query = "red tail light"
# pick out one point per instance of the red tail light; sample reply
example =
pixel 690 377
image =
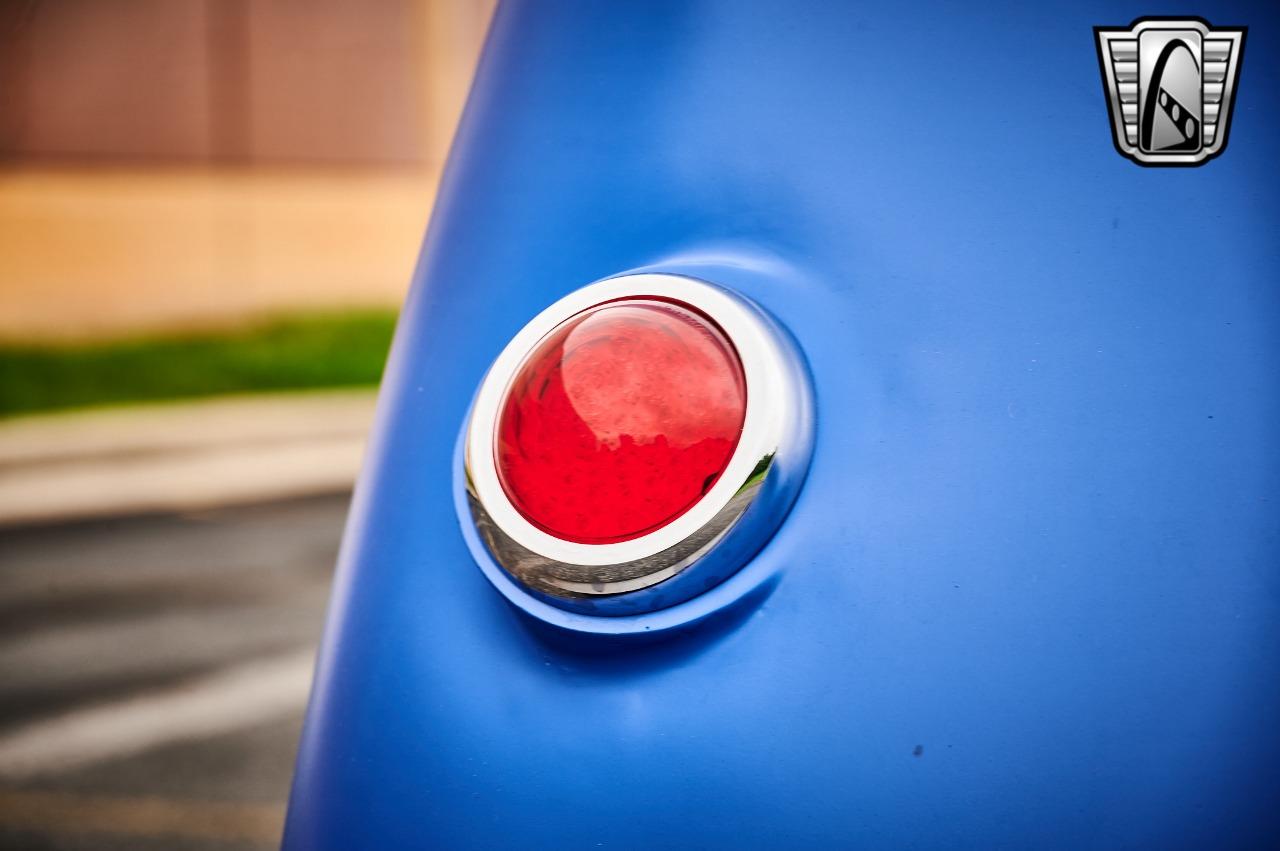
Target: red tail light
pixel 635 444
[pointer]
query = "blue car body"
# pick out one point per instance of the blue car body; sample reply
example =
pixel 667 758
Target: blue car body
pixel 1029 594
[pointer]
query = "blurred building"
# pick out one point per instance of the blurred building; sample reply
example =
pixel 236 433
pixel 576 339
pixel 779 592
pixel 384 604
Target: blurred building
pixel 180 162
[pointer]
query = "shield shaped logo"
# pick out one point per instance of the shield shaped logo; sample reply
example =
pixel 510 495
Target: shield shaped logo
pixel 1170 86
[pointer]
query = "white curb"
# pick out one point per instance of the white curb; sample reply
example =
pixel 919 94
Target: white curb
pixel 180 456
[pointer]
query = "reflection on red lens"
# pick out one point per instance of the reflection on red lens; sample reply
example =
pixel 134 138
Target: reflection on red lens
pixel 620 420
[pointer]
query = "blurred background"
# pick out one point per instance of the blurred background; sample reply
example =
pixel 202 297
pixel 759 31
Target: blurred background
pixel 209 214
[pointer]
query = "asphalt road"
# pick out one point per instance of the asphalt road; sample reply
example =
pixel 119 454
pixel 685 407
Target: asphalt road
pixel 153 674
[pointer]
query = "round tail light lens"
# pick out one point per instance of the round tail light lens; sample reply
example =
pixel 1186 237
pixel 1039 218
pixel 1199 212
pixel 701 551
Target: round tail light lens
pixel 634 445
pixel 620 421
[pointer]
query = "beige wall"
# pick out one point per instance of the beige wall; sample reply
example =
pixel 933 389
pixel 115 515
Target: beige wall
pixel 184 162
pixel 273 80
pixel 95 78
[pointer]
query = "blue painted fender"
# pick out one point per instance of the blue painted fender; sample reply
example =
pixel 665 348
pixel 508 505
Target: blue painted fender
pixel 1030 592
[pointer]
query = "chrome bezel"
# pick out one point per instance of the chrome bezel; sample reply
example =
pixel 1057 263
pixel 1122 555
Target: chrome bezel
pixel 718 534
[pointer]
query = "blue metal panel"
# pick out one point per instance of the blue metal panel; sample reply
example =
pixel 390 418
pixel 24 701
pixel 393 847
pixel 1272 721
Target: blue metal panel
pixel 1030 593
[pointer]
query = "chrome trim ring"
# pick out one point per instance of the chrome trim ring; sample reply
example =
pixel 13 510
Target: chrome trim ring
pixel 711 540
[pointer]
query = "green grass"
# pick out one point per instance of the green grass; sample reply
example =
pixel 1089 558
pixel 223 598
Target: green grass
pixel 289 353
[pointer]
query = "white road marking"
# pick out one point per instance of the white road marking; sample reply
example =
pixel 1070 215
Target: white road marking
pixel 224 702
